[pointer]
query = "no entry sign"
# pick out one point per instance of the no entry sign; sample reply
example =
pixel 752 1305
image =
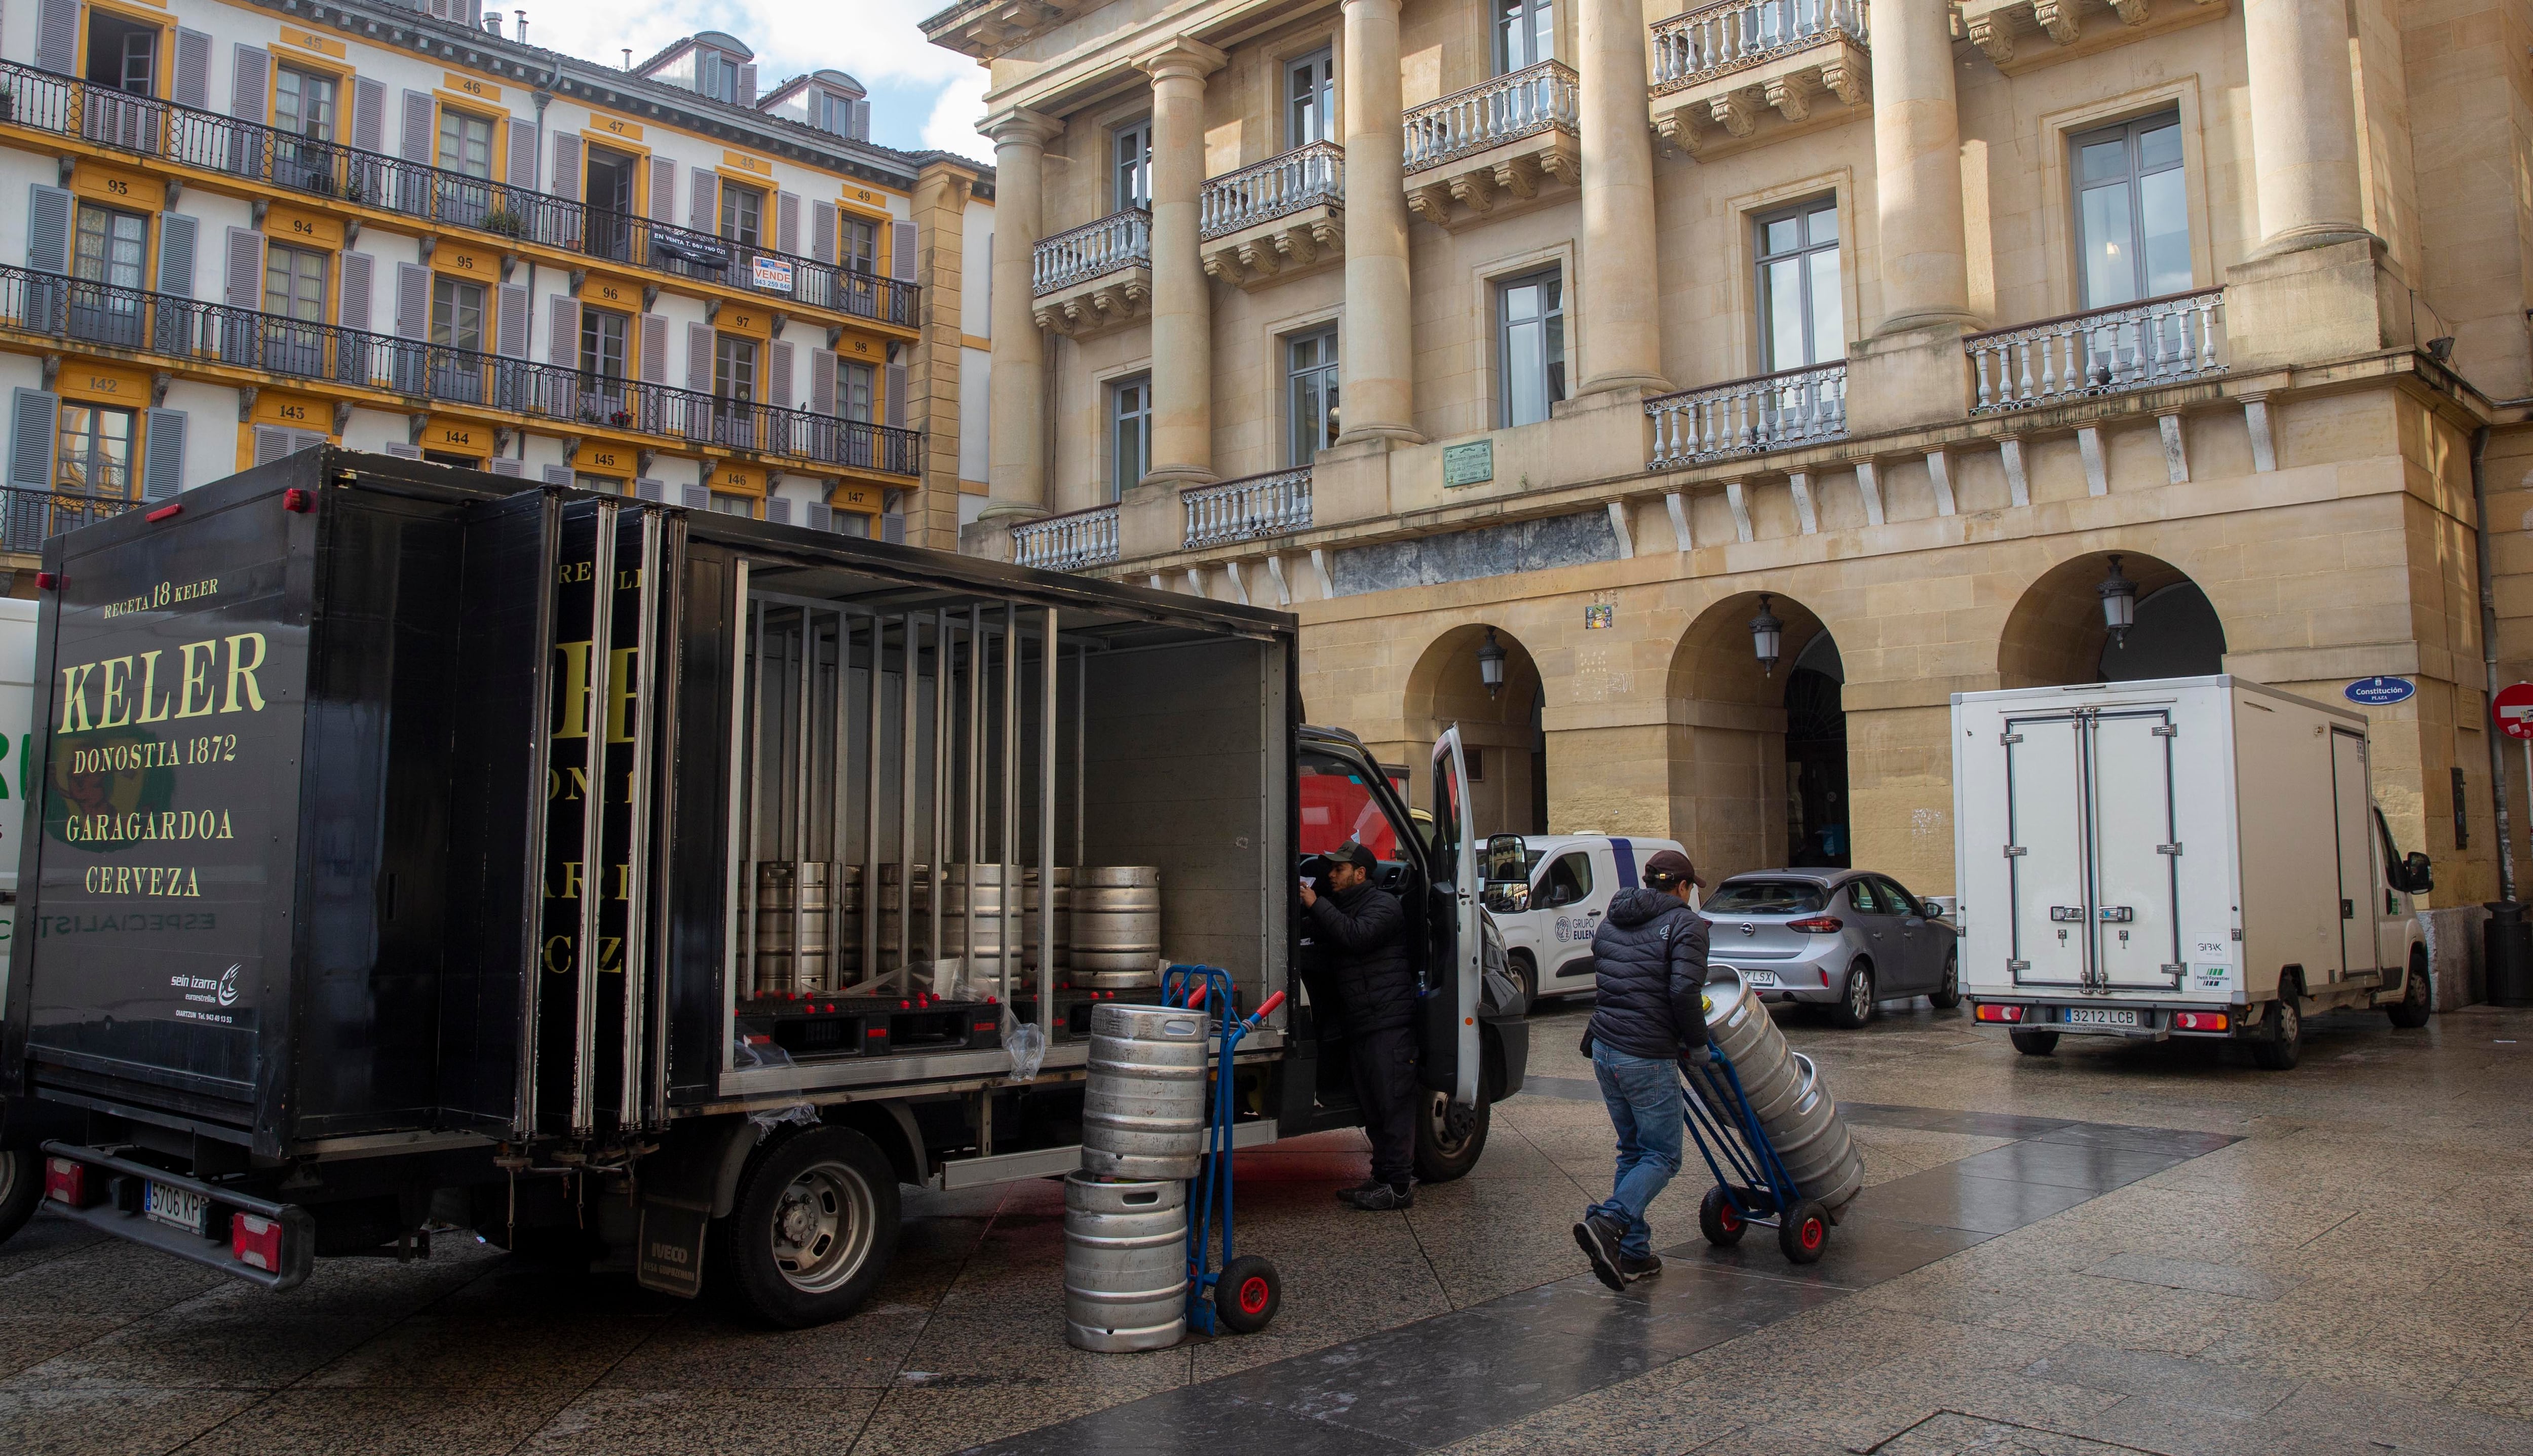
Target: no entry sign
pixel 2513 710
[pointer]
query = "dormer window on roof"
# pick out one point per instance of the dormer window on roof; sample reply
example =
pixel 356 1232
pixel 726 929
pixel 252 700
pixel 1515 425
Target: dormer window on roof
pixel 711 64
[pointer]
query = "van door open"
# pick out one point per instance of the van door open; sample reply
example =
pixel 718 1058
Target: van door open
pixel 1455 856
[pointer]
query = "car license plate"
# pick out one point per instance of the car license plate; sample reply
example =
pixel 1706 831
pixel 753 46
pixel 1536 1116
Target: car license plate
pixel 180 1207
pixel 1760 977
pixel 2097 1016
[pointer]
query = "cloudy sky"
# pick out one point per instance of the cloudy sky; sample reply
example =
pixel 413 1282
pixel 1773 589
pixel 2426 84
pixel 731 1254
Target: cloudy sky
pixel 921 95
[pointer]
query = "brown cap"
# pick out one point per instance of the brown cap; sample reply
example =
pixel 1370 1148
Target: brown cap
pixel 1669 867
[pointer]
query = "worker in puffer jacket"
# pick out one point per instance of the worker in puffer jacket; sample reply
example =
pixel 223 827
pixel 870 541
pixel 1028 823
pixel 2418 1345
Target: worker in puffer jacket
pixel 1363 933
pixel 1648 1019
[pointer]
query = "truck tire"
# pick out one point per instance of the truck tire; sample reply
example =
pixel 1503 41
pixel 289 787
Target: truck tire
pixel 22 1186
pixel 812 1230
pixel 1948 994
pixel 2282 1037
pixel 2033 1043
pixel 1449 1139
pixel 2418 995
pixel 1855 1005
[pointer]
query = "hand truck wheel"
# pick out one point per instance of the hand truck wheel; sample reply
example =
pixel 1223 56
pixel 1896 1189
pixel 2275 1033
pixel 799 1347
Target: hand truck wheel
pixel 1803 1233
pixel 1247 1294
pixel 1720 1221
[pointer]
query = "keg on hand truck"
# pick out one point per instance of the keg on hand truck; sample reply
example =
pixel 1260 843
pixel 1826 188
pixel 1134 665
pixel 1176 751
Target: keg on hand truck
pixel 1243 1294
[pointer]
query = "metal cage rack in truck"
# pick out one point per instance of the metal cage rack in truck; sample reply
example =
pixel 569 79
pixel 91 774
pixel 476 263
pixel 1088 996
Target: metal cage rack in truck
pixel 418 849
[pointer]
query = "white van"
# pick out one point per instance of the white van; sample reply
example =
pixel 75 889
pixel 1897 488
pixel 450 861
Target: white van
pixel 2196 856
pixel 1549 892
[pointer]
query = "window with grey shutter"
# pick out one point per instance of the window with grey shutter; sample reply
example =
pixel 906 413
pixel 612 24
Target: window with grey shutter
pixel 57 36
pixel 562 332
pixel 369 114
pixel 162 454
pixel 413 301
pixel 747 84
pixel 651 489
pixel 35 423
pixel 703 200
pixel 177 235
pixel 778 510
pixel 694 497
pixel 786 223
pixel 566 166
pixel 822 233
pixel 243 281
pixel 901 250
pixel 414 141
pixel 523 154
pixel 193 69
pixel 822 382
pixel 822 516
pixel 352 299
pixel 663 190
pixel 557 475
pixel 48 229
pixel 511 326
pixel 897 389
pixel 699 358
pixel 250 83
pixel 655 349
pixel 505 465
pixel 271 442
pixel 402 452
pixel 778 375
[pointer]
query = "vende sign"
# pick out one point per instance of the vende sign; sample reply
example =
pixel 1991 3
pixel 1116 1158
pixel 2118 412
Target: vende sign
pixel 2513 710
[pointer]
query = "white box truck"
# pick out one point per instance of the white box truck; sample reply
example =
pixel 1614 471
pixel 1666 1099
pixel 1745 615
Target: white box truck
pixel 2189 857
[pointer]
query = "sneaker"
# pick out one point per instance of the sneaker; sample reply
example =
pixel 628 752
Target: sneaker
pixel 1633 1270
pixel 1382 1197
pixel 1599 1239
pixel 1349 1195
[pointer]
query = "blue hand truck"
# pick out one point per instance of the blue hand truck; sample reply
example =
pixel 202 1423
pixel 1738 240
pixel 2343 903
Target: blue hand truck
pixel 1244 1291
pixel 1759 1191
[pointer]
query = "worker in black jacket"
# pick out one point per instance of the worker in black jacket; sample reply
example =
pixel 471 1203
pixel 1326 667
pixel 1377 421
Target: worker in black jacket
pixel 1360 930
pixel 1648 1018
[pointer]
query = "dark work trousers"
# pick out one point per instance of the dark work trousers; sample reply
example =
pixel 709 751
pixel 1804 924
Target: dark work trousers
pixel 1384 1082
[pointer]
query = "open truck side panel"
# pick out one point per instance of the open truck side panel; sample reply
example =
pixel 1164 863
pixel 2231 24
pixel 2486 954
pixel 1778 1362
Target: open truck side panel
pixel 2151 859
pixel 404 848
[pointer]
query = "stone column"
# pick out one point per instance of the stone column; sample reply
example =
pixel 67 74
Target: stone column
pixel 1017 402
pixel 1620 328
pixel 1182 299
pixel 1917 170
pixel 1377 352
pixel 2304 124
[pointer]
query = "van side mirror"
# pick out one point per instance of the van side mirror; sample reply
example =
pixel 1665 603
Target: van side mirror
pixel 2418 877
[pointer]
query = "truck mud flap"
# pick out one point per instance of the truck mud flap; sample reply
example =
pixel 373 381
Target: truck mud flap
pixel 111 1192
pixel 671 1239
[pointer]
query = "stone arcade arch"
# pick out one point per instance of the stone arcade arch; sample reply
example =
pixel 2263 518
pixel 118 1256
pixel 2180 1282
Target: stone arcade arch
pixel 1747 790
pixel 2055 634
pixel 1509 761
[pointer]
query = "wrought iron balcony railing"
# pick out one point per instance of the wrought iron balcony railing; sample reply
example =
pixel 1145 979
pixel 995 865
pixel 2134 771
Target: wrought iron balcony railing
pixel 1537 98
pixel 2105 351
pixel 191 332
pixel 29 516
pixel 1068 542
pixel 1731 34
pixel 1277 187
pixel 1749 417
pixel 291 164
pixel 1249 508
pixel 1120 239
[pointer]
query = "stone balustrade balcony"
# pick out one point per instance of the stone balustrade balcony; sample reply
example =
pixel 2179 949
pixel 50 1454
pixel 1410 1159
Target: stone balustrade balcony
pixel 1280 216
pixel 1739 73
pixel 1252 508
pixel 1076 541
pixel 2167 340
pixel 1095 277
pixel 1492 147
pixel 1749 417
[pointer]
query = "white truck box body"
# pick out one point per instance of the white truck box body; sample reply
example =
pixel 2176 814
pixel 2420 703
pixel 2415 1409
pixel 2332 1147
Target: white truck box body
pixel 2170 844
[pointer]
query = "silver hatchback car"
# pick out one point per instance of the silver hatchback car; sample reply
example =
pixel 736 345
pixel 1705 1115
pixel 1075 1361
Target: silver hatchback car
pixel 1845 939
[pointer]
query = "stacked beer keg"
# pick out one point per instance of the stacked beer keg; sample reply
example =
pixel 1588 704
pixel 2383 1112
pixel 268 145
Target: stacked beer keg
pixel 1126 1211
pixel 1787 1092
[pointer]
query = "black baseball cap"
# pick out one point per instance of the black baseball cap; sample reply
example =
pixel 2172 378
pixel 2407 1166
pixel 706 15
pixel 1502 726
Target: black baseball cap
pixel 1669 867
pixel 1353 852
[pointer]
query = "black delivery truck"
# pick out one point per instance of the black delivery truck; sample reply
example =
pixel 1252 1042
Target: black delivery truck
pixel 658 889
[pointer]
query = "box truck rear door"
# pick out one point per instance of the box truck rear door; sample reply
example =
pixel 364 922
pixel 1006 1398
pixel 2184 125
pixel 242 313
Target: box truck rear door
pixel 2135 855
pixel 2049 837
pixel 2351 804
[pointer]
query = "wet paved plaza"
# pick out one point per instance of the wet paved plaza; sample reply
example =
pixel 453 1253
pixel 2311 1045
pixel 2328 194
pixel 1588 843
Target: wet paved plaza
pixel 2115 1250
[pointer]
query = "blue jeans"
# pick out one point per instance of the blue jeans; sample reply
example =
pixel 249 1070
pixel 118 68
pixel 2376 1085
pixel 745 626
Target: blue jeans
pixel 1643 1094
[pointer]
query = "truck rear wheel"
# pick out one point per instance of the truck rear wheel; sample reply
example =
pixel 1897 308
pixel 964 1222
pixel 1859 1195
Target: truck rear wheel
pixel 2281 1036
pixel 22 1186
pixel 1450 1137
pixel 2418 996
pixel 812 1230
pixel 2033 1043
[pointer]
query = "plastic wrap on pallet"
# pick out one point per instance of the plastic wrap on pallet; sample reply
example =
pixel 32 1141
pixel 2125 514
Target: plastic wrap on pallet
pixel 1028 1046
